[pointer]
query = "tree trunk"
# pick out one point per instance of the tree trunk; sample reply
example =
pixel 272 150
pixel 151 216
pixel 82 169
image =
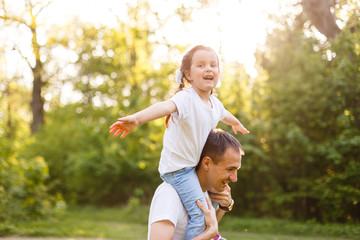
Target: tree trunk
pixel 320 15
pixel 9 134
pixel 37 103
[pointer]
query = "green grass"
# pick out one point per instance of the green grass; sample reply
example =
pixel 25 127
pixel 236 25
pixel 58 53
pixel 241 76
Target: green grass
pixel 284 227
pixel 262 236
pixel 131 223
pixel 114 223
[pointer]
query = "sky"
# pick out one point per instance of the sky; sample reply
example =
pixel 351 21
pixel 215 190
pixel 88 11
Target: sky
pixel 238 26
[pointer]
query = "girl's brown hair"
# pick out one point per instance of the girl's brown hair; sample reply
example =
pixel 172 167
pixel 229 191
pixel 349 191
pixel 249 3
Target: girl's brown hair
pixel 185 65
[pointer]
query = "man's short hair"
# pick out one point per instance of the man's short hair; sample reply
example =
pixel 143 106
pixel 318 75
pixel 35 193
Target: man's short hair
pixel 217 143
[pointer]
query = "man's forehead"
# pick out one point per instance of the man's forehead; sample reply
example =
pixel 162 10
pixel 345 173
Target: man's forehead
pixel 236 165
pixel 231 159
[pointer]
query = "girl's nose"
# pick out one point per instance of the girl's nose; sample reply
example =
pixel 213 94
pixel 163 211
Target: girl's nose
pixel 207 67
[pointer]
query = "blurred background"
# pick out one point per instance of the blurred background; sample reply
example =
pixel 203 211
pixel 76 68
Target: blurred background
pixel 69 69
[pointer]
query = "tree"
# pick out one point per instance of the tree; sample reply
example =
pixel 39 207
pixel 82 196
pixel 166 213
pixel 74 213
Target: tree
pixel 29 19
pixel 115 76
pixel 310 103
pixel 322 15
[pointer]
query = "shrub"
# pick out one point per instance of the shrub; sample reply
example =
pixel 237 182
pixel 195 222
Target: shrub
pixel 23 193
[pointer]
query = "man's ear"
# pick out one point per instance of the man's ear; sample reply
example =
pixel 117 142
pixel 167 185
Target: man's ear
pixel 206 163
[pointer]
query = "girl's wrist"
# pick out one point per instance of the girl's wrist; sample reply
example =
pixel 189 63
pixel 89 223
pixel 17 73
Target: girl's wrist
pixel 135 119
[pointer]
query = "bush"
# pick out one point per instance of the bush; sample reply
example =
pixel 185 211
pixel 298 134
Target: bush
pixel 23 193
pixel 88 165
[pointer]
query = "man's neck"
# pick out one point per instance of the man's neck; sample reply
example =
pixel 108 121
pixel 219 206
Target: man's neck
pixel 202 181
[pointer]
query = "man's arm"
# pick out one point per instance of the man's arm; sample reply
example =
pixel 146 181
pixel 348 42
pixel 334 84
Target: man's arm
pixel 165 229
pixel 223 198
pixel 125 124
pixel 162 230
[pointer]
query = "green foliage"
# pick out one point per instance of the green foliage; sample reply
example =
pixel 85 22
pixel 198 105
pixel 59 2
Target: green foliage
pixel 302 155
pixel 116 78
pixel 23 193
pixel 88 165
pixel 13 125
pixel 310 131
pixel 23 190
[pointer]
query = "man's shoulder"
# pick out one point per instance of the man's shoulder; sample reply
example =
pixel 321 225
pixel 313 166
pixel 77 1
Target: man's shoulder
pixel 166 204
pixel 166 190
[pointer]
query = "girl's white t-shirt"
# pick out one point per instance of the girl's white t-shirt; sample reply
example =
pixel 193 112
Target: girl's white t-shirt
pixel 188 130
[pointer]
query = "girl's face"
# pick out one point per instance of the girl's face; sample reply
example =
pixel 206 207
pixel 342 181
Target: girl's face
pixel 204 71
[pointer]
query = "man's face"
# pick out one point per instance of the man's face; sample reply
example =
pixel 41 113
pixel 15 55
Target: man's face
pixel 219 175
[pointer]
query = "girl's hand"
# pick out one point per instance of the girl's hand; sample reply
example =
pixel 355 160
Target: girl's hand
pixel 123 125
pixel 223 198
pixel 239 127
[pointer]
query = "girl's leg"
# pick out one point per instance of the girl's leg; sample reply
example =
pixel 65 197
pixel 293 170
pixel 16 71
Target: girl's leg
pixel 187 185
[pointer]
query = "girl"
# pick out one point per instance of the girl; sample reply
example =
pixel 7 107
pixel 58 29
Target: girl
pixel 191 114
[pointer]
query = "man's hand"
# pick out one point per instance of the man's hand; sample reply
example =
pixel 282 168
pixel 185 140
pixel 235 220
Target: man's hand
pixel 223 198
pixel 124 125
pixel 210 219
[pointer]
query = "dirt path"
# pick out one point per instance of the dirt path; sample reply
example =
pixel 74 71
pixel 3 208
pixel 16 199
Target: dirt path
pixel 47 238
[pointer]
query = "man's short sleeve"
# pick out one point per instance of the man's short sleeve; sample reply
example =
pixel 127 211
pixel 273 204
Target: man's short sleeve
pixel 166 205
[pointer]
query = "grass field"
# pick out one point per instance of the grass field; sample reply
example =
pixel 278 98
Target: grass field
pixel 131 223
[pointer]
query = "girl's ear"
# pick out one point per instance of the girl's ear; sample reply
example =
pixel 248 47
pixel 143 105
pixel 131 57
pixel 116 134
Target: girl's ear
pixel 187 75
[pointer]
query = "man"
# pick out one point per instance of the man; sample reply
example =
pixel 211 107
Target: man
pixel 219 162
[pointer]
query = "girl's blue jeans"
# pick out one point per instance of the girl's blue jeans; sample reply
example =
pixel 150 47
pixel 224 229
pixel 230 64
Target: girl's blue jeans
pixel 186 183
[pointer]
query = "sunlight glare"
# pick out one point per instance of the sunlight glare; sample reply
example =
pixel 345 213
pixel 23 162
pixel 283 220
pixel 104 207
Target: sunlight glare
pixel 233 28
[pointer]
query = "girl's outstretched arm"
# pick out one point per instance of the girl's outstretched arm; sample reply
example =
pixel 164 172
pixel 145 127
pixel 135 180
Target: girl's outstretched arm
pixel 235 123
pixel 125 124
